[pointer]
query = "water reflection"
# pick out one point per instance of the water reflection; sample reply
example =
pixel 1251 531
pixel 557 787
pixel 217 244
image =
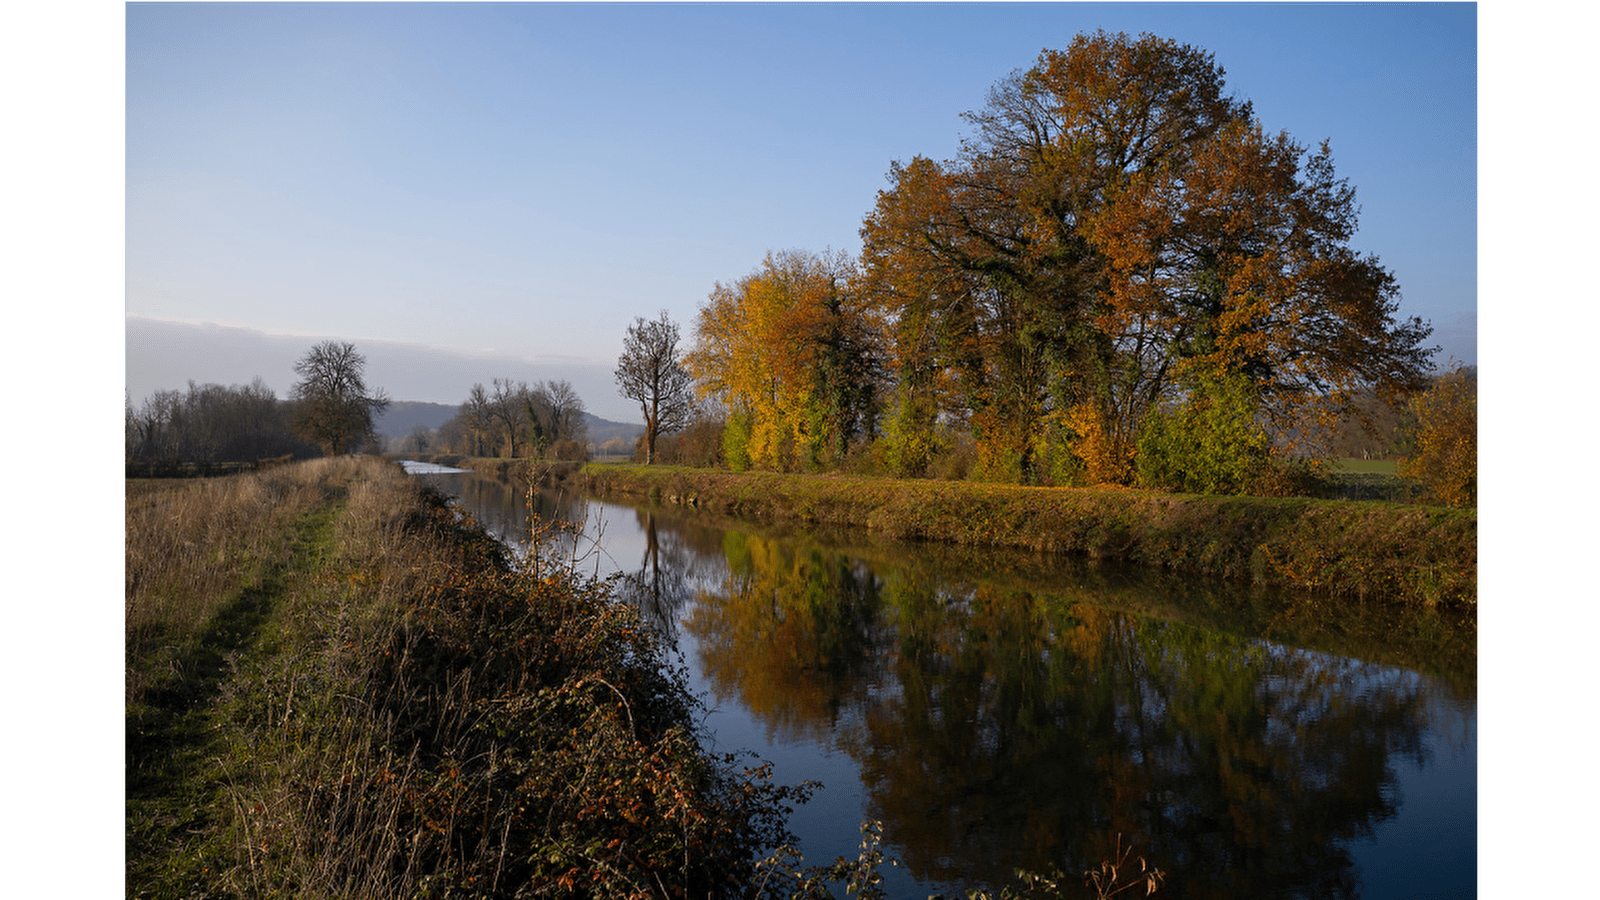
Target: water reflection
pixel 414 467
pixel 1006 711
pixel 794 633
pixel 660 585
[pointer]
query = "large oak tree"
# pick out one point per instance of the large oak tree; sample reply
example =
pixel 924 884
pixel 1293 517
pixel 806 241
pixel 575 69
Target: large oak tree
pixel 1116 226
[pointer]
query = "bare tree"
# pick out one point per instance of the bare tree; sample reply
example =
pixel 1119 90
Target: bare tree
pixel 476 419
pixel 650 372
pixel 508 405
pixel 335 408
pixel 421 439
pixel 566 412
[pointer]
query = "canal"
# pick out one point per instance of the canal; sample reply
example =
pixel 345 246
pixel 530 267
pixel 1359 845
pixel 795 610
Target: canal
pixel 1003 710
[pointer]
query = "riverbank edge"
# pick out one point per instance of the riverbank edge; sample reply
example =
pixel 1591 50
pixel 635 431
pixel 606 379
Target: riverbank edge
pixel 1415 555
pixel 403 710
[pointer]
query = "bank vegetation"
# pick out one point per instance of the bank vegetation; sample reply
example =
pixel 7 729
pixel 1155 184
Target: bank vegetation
pixel 337 687
pixel 1413 555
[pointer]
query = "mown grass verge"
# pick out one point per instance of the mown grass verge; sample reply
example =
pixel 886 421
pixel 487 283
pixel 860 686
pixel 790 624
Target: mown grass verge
pixel 1387 552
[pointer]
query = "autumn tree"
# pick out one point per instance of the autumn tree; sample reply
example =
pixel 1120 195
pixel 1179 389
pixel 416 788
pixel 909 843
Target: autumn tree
pixel 1116 223
pixel 1445 454
pixel 794 355
pixel 935 339
pixel 335 410
pixel 1241 265
pixel 650 373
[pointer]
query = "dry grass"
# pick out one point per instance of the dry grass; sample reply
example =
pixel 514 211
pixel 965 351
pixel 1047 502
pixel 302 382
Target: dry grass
pixel 192 546
pixel 343 692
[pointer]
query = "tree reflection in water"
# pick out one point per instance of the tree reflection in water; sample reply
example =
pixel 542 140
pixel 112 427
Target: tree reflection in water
pixel 999 727
pixel 1007 710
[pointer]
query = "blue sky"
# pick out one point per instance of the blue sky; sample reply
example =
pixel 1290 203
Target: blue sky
pixel 525 179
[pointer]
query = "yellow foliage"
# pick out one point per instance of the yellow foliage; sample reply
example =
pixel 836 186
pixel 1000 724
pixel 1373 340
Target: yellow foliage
pixel 773 343
pixel 1446 457
pixel 1103 461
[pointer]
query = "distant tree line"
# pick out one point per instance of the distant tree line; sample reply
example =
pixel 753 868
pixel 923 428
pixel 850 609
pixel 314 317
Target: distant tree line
pixel 515 419
pixel 210 424
pixel 331 410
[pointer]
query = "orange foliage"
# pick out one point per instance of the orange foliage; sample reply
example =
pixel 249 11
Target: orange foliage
pixel 1446 457
pixel 1103 459
pixel 1117 227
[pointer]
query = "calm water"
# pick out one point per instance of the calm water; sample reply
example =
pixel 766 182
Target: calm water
pixel 998 711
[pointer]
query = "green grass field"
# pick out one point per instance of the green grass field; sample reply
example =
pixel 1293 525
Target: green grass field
pixel 1365 466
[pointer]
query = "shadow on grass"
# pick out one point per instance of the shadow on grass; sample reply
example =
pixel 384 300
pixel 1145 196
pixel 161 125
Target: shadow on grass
pixel 172 735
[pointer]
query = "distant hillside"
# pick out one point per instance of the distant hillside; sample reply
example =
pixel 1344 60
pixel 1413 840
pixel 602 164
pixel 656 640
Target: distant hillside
pixel 602 430
pixel 403 416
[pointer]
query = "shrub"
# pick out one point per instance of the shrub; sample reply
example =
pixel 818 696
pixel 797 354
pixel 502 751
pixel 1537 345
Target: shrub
pixel 1099 461
pixel 736 441
pixel 954 461
pixel 910 442
pixel 1445 461
pixel 700 444
pixel 1284 477
pixel 569 450
pixel 1210 445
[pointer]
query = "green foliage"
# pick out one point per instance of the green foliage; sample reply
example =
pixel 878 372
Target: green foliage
pixel 736 441
pixel 1058 464
pixel 910 441
pixel 1211 445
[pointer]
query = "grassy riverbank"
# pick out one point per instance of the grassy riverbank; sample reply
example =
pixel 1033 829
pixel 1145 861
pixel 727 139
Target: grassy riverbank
pixel 1418 555
pixel 336 689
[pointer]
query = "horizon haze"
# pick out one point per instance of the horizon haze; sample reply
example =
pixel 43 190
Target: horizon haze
pixel 165 355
